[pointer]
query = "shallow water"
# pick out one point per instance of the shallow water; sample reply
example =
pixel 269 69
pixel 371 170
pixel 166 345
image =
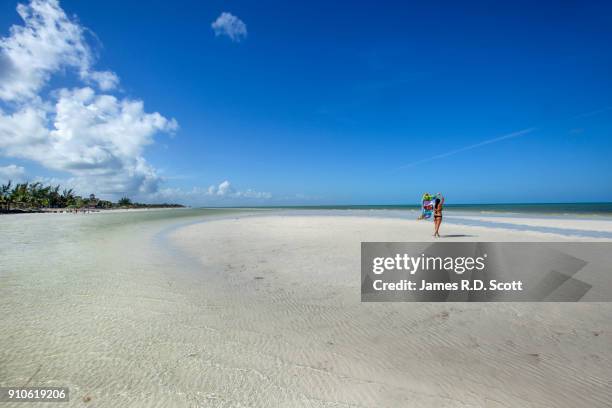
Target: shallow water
pixel 85 301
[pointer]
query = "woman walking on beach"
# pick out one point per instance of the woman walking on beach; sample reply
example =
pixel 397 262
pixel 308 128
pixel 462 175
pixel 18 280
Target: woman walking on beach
pixel 438 215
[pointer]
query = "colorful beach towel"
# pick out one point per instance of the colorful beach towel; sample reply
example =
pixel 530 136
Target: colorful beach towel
pixel 428 202
pixel 427 206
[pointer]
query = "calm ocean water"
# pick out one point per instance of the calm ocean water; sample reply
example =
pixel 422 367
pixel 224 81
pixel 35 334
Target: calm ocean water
pixel 529 209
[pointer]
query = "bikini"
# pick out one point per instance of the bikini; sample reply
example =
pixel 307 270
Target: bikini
pixel 438 212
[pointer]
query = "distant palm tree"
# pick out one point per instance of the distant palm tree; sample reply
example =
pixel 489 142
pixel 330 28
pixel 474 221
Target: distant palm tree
pixel 38 196
pixel 124 202
pixel 19 194
pixel 55 199
pixel 5 195
pixel 68 198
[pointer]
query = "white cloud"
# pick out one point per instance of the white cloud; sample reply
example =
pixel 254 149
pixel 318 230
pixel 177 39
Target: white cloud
pixel 99 139
pixel 223 193
pixel 11 172
pixel 47 43
pixel 225 189
pixel 230 25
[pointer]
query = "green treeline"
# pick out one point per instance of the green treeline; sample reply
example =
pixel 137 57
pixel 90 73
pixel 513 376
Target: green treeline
pixel 36 196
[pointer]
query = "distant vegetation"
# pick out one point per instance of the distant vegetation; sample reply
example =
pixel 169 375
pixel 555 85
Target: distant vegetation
pixel 36 197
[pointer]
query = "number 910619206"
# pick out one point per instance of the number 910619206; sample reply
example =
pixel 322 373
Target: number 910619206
pixel 31 394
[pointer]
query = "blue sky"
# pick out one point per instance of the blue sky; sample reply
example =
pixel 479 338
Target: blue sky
pixel 331 102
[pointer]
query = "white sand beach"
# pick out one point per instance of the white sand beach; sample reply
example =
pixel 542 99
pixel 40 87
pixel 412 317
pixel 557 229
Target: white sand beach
pixel 264 311
pixel 293 311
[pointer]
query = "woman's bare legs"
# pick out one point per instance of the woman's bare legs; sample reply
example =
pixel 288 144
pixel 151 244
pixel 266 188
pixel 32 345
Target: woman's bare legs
pixel 437 222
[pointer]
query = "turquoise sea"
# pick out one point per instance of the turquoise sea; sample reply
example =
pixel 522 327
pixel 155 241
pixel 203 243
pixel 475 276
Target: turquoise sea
pixel 579 209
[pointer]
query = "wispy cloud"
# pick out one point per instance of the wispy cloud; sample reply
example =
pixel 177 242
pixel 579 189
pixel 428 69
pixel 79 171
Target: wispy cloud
pixel 593 113
pixel 470 147
pixel 231 26
pixel 502 138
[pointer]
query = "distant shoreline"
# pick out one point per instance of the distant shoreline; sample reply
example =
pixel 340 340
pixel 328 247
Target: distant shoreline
pixel 85 210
